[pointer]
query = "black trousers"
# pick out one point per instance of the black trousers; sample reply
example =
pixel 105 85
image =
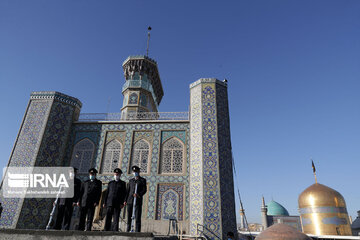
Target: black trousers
pixel 63 218
pixel 87 211
pixel 138 209
pixel 112 213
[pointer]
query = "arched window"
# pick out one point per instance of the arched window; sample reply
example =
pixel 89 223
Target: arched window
pixel 172 156
pixel 140 155
pixel 111 159
pixel 82 155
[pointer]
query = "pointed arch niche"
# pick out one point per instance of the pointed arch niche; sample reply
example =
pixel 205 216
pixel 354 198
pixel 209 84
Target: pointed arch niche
pixel 170 201
pixel 82 155
pixel 112 156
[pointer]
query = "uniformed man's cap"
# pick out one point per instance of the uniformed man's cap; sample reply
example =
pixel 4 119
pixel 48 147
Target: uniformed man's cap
pixel 117 170
pixel 93 170
pixel 135 168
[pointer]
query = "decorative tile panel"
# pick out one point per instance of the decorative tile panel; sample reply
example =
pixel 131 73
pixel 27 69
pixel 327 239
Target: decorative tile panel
pixel 170 201
pixel 165 135
pixel 133 98
pixel 228 217
pixel 56 135
pixel 196 161
pixel 111 135
pixel 142 135
pixel 212 201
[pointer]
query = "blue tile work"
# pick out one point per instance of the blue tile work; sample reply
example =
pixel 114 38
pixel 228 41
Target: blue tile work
pixel 56 136
pixel 35 212
pixel 132 131
pixel 165 135
pixel 228 217
pixel 93 136
pixel 196 162
pixel 211 170
pixel 35 145
pixel 170 201
pixel 24 153
pixel 133 98
pixel 212 201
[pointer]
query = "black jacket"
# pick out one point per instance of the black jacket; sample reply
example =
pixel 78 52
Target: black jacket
pixel 75 199
pixel 141 190
pixel 90 193
pixel 115 194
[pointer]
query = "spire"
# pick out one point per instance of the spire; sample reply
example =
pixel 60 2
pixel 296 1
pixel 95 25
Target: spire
pixel 263 203
pixel 148 40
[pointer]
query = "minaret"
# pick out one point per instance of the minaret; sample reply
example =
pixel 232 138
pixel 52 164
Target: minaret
pixel 243 225
pixel 142 90
pixel 264 214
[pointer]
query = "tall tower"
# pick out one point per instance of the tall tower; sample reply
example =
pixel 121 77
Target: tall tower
pixel 41 142
pixel 142 90
pixel 211 177
pixel 264 214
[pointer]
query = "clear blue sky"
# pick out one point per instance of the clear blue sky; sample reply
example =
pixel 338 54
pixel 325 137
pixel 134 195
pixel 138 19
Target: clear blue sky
pixel 293 69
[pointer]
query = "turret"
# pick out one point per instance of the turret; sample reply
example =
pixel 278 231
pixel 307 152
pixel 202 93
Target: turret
pixel 142 90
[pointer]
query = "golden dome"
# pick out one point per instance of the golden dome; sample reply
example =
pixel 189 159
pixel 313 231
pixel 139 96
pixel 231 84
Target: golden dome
pixel 320 195
pixel 281 231
pixel 323 211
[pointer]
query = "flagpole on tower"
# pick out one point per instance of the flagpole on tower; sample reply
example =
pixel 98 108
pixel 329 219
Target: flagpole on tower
pixel 148 40
pixel 314 170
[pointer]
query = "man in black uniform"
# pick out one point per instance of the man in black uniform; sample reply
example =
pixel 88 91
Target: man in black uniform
pixel 113 201
pixel 89 198
pixel 141 190
pixel 66 205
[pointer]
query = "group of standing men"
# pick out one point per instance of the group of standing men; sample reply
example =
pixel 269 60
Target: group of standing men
pixel 87 196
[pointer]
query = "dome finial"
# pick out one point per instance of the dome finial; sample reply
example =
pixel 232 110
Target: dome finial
pixel 314 169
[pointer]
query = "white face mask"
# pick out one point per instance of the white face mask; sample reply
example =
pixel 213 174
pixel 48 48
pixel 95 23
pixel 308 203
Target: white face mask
pixel 117 178
pixel 136 174
pixel 72 175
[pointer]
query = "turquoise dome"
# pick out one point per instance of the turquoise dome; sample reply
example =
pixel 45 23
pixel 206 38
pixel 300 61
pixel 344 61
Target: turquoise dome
pixel 276 209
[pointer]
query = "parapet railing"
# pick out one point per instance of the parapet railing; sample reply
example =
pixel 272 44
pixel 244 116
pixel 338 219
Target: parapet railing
pixel 134 116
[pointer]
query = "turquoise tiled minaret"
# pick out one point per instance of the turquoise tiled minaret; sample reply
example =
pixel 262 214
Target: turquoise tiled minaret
pixel 212 203
pixel 41 142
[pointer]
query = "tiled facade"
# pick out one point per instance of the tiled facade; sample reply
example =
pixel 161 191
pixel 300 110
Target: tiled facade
pixel 130 133
pixel 202 193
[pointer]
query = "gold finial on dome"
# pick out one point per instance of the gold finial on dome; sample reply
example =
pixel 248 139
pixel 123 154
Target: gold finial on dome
pixel 314 170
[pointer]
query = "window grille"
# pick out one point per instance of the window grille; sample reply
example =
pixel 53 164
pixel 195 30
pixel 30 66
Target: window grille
pixel 172 156
pixel 140 155
pixel 111 159
pixel 82 155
